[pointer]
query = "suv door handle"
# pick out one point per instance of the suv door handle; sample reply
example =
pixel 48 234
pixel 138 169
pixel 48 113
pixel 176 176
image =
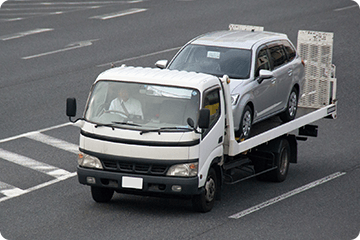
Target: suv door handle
pixel 290 72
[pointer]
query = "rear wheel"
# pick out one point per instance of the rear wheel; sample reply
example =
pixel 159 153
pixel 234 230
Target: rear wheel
pixel 204 202
pixel 281 162
pixel 291 107
pixel 101 195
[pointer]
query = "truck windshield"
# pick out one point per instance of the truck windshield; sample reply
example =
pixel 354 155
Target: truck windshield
pixel 142 106
pixel 213 60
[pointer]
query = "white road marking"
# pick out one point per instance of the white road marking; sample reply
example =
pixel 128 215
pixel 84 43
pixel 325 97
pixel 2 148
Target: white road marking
pixel 287 195
pixel 69 47
pixel 70 147
pixel 30 133
pixel 64 177
pixel 119 14
pixel 10 191
pixel 59 174
pixel 345 8
pixel 26 33
pixel 138 57
pixel 32 164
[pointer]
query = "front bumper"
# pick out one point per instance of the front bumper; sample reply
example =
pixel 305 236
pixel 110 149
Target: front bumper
pixel 151 185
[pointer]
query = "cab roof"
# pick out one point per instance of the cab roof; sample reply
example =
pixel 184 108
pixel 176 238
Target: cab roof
pixel 167 77
pixel 237 38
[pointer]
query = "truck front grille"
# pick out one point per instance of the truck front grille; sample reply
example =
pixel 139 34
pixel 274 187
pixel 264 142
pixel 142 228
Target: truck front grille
pixel 142 168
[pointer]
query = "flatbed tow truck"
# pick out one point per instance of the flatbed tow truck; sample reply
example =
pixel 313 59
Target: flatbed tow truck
pixel 149 155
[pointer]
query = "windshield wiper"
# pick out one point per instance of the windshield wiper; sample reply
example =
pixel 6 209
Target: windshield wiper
pixel 164 129
pixel 127 123
pixel 115 123
pixel 105 125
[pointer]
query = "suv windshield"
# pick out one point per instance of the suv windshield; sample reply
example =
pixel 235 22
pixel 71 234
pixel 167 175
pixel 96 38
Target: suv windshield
pixel 142 106
pixel 217 61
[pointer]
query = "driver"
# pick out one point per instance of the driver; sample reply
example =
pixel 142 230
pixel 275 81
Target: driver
pixel 126 104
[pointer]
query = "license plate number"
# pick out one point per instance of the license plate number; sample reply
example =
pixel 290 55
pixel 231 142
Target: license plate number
pixel 132 182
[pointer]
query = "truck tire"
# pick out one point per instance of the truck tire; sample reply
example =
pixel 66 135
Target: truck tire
pixel 291 107
pixel 101 195
pixel 281 161
pixel 204 202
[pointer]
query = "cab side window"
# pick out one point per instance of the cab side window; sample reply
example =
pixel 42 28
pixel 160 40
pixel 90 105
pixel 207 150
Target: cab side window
pixel 262 61
pixel 212 102
pixel 277 55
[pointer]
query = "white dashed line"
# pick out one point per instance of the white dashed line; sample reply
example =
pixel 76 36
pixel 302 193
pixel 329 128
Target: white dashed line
pixel 287 195
pixel 26 33
pixel 119 14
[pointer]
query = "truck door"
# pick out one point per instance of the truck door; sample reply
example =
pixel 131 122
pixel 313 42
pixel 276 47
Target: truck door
pixel 212 138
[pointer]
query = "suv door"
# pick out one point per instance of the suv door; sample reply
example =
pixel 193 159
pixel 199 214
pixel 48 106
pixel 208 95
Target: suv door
pixel 265 90
pixel 282 71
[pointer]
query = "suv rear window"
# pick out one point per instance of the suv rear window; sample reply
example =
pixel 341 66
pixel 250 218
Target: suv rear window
pixel 277 55
pixel 290 51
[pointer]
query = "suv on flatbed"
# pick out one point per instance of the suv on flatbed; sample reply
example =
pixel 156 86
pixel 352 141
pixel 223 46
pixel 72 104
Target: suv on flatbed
pixel 267 74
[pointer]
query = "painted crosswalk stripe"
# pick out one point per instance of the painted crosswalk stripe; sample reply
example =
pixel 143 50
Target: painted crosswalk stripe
pixel 10 191
pixel 33 164
pixel 58 143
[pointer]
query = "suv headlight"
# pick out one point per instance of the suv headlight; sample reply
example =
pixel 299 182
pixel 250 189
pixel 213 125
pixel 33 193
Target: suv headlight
pixel 85 160
pixel 183 170
pixel 234 98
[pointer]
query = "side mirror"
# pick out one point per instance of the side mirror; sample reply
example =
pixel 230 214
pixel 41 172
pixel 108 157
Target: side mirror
pixel 265 74
pixel 161 64
pixel 71 107
pixel 204 118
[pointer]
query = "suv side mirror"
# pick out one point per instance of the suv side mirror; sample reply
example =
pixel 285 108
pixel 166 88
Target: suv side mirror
pixel 265 74
pixel 161 64
pixel 71 107
pixel 204 118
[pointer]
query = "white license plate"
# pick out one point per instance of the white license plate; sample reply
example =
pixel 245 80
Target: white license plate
pixel 132 182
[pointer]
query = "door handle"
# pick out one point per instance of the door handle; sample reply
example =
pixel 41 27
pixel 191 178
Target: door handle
pixel 290 72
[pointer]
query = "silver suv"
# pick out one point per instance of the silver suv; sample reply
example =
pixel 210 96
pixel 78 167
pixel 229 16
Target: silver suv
pixel 266 72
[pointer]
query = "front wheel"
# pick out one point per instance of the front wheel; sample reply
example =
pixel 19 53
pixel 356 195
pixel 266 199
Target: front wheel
pixel 204 202
pixel 245 124
pixel 101 195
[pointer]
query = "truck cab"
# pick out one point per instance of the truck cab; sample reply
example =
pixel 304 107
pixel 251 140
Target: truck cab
pixel 160 139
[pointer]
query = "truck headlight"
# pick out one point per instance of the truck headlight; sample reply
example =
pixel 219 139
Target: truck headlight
pixel 183 170
pixel 234 98
pixel 85 160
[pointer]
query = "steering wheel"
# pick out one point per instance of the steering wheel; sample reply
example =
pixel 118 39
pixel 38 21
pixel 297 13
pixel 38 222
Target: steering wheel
pixel 121 113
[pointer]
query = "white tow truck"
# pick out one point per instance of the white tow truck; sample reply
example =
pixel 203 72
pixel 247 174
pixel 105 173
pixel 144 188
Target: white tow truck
pixel 176 136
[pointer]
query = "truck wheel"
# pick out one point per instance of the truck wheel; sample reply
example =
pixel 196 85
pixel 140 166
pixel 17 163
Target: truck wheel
pixel 245 123
pixel 291 107
pixel 282 162
pixel 205 201
pixel 101 195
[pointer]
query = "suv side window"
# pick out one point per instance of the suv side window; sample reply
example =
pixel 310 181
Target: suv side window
pixel 212 102
pixel 262 61
pixel 277 55
pixel 290 50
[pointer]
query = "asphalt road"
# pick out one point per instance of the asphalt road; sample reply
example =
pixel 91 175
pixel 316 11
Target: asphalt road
pixel 51 50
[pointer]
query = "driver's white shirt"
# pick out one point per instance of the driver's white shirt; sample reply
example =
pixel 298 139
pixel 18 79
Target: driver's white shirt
pixel 132 105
